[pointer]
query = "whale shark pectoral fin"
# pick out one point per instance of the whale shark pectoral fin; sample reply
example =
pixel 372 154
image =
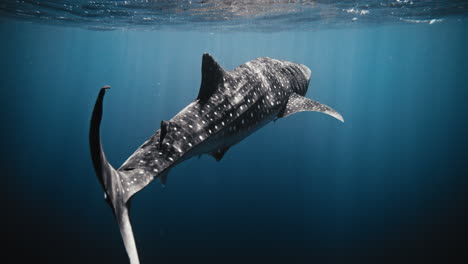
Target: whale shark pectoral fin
pixel 212 77
pixel 219 154
pixel 297 103
pixel 163 178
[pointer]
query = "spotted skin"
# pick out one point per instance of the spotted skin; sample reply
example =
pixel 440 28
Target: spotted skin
pixel 249 97
pixel 230 106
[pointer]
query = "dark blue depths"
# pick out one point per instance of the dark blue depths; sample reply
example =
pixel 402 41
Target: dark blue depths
pixel 387 185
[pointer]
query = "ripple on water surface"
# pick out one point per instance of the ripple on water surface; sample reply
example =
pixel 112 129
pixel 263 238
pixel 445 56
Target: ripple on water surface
pixel 262 15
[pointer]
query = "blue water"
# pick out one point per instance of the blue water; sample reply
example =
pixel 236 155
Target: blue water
pixel 388 185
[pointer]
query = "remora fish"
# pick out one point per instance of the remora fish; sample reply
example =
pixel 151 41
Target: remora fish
pixel 230 106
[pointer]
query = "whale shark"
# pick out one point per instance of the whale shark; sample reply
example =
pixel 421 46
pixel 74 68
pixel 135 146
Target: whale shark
pixel 230 106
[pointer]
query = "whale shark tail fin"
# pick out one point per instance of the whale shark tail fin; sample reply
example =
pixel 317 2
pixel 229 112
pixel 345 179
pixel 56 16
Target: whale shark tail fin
pixel 111 180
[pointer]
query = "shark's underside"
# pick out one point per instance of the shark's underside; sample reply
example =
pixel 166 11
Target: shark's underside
pixel 230 106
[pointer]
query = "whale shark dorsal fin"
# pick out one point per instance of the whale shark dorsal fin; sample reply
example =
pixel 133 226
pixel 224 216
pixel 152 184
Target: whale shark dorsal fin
pixel 297 103
pixel 219 154
pixel 212 77
pixel 164 128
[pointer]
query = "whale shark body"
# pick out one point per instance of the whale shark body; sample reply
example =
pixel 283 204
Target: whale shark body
pixel 230 106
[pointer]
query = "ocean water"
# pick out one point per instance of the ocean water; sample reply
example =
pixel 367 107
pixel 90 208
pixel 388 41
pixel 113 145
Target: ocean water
pixel 387 186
